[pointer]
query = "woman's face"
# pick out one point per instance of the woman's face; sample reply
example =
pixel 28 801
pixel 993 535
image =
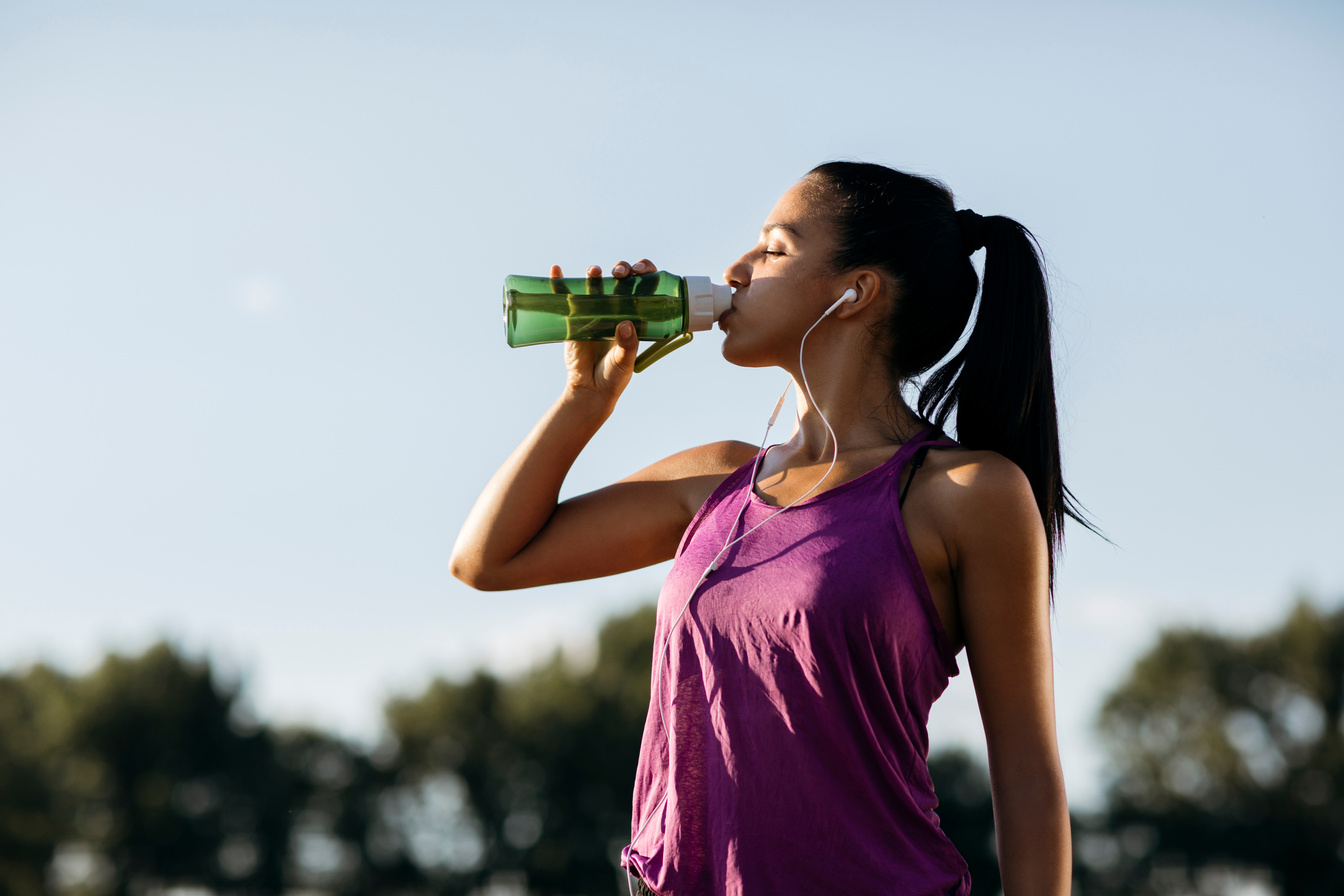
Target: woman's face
pixel 783 284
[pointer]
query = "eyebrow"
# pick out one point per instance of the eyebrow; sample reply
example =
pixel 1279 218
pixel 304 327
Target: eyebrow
pixel 779 225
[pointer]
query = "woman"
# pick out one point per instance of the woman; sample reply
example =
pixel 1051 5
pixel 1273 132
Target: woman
pixel 821 590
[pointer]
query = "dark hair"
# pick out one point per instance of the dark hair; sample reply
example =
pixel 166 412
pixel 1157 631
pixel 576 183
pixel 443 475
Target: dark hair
pixel 1001 383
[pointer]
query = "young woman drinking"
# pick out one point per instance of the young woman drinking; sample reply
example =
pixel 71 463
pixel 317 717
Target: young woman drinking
pixel 823 588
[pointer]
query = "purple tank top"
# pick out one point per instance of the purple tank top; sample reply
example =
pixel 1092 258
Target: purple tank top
pixel 796 688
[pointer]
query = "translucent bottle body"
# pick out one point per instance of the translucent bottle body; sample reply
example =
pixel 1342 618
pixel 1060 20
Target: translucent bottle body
pixel 541 309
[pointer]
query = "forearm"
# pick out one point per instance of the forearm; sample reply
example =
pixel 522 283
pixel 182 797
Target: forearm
pixel 522 495
pixel 1031 822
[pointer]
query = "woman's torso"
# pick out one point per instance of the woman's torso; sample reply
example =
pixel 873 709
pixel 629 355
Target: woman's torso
pixel 782 480
pixel 795 687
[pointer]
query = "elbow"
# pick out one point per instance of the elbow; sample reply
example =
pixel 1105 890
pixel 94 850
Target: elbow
pixel 474 574
pixel 465 562
pixel 467 572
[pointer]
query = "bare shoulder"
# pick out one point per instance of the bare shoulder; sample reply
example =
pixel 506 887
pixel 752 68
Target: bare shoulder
pixel 697 471
pixel 978 476
pixel 702 460
pixel 979 495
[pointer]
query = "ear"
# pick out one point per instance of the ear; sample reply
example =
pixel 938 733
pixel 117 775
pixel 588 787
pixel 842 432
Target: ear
pixel 869 286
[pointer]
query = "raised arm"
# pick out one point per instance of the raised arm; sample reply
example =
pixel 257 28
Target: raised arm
pixel 1004 606
pixel 518 536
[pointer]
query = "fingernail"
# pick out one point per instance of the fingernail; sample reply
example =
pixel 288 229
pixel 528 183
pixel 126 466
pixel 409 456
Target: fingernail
pixel 626 329
pixel 639 265
pixel 619 269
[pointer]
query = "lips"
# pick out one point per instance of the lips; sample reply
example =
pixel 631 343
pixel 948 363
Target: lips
pixel 724 316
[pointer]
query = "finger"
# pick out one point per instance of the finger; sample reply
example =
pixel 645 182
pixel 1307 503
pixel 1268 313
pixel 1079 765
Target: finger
pixel 627 346
pixel 620 269
pixel 555 272
pixel 594 271
pixel 644 266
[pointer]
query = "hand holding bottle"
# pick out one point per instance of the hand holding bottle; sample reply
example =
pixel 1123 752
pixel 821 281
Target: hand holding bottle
pixel 598 372
pixel 663 309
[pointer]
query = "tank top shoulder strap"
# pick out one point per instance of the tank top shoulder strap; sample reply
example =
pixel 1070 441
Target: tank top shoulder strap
pixel 730 484
pixel 920 446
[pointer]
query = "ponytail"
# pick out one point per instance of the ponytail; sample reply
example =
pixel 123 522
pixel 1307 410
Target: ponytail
pixel 1001 383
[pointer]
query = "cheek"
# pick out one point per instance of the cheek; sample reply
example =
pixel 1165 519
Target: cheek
pixel 741 354
pixel 754 336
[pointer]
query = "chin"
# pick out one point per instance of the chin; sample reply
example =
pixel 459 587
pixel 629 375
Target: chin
pixel 741 356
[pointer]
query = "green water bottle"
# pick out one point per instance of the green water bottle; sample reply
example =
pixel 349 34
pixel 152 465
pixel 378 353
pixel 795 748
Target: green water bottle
pixel 663 307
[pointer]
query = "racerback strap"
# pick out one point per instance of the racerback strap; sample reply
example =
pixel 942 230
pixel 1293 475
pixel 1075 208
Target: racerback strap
pixel 917 461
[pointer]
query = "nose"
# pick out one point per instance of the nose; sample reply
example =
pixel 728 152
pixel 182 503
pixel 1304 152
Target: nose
pixel 737 274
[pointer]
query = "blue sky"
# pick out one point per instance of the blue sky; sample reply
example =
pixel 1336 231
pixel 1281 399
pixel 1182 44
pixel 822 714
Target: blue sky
pixel 252 370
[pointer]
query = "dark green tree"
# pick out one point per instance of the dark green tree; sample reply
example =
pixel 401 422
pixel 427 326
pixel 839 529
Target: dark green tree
pixel 345 834
pixel 966 813
pixel 158 777
pixel 1227 756
pixel 534 774
pixel 33 726
pixel 144 774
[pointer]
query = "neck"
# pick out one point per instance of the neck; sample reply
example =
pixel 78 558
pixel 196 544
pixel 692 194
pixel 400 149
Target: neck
pixel 860 402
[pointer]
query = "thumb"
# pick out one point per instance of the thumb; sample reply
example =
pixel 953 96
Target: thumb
pixel 627 346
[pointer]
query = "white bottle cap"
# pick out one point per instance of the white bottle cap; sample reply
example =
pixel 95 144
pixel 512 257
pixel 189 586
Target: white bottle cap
pixel 705 302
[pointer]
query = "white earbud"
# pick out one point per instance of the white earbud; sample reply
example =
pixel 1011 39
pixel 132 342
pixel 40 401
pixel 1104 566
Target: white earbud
pixel 849 296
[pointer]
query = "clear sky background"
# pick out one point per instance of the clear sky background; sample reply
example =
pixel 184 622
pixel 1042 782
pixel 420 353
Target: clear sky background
pixel 253 373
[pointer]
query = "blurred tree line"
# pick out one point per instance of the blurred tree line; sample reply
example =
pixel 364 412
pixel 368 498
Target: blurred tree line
pixel 146 777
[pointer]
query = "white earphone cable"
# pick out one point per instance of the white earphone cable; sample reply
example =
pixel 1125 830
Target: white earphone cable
pixel 656 689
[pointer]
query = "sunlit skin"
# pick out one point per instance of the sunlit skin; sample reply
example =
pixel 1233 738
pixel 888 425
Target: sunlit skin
pixel 971 515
